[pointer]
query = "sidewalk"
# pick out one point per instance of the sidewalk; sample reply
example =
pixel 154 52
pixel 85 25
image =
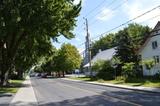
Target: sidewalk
pixel 25 95
pixel 139 88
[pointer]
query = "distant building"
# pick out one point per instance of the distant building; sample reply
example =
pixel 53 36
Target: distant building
pixel 151 50
pixel 103 55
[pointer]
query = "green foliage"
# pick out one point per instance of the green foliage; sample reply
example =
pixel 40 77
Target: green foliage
pixel 104 69
pixel 148 63
pixel 129 41
pixel 13 88
pixel 157 75
pixel 106 42
pixel 29 24
pixel 68 58
pixel 98 65
pixel 128 69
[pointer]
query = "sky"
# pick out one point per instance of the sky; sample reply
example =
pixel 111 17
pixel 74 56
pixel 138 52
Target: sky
pixel 104 15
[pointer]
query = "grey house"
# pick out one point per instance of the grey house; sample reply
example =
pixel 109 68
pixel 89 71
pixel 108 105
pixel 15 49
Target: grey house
pixel 101 55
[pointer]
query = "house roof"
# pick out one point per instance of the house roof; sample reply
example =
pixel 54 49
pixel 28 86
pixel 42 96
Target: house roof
pixel 149 37
pixel 103 55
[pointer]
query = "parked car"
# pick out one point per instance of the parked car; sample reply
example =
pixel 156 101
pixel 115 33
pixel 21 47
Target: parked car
pixel 44 75
pixel 32 74
pixel 38 75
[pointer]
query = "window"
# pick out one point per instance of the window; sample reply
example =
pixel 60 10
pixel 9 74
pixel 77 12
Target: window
pixel 154 45
pixel 156 32
pixel 156 59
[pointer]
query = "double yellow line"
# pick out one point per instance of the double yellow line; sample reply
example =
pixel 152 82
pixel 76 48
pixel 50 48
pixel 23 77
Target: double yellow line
pixel 96 93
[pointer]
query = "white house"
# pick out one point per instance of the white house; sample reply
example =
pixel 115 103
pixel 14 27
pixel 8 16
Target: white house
pixel 151 50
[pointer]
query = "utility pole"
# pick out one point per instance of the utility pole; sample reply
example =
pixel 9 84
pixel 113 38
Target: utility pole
pixel 88 43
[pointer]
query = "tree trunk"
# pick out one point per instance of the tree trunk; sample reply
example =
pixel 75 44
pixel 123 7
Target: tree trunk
pixel 5 81
pixel 10 56
pixel 7 69
pixel 20 74
pixel 63 73
pixel 59 74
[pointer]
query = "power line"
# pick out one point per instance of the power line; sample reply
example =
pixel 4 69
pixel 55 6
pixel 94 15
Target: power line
pixel 96 8
pixel 126 23
pixel 108 5
pixel 151 18
pixel 115 8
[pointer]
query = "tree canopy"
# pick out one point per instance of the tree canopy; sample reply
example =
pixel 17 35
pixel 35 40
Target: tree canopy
pixel 106 42
pixel 22 21
pixel 127 42
pixel 68 58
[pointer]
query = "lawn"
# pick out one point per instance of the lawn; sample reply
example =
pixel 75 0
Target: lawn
pixel 130 82
pixel 12 88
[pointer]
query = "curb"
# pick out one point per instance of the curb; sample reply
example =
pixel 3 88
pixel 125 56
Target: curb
pixel 37 103
pixel 143 89
pixel 25 96
pixel 34 93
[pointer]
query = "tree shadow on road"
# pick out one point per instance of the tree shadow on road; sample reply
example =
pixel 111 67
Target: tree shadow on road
pixel 95 100
pixel 111 98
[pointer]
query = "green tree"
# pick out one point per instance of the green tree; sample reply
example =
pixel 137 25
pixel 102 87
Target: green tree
pixel 21 20
pixel 106 42
pixel 149 64
pixel 28 56
pixel 104 69
pixel 128 70
pixel 129 40
pixel 68 58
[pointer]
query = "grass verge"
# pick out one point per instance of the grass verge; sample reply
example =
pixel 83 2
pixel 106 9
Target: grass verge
pixel 12 88
pixel 130 82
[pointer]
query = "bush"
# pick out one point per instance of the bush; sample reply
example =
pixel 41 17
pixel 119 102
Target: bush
pixel 104 69
pixel 129 70
pixel 157 76
pixel 120 78
pixel 148 63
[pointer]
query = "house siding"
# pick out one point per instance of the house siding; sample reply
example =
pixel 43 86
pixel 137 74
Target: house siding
pixel 148 52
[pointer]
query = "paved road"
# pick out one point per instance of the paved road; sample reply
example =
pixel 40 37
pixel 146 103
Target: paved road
pixel 59 92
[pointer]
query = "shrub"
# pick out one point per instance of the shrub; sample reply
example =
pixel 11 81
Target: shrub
pixel 129 70
pixel 157 76
pixel 148 63
pixel 104 69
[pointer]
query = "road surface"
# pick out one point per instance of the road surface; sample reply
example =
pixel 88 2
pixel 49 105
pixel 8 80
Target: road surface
pixel 60 92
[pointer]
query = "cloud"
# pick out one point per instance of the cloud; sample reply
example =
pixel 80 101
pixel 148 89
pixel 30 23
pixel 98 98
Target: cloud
pixel 139 7
pixel 105 15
